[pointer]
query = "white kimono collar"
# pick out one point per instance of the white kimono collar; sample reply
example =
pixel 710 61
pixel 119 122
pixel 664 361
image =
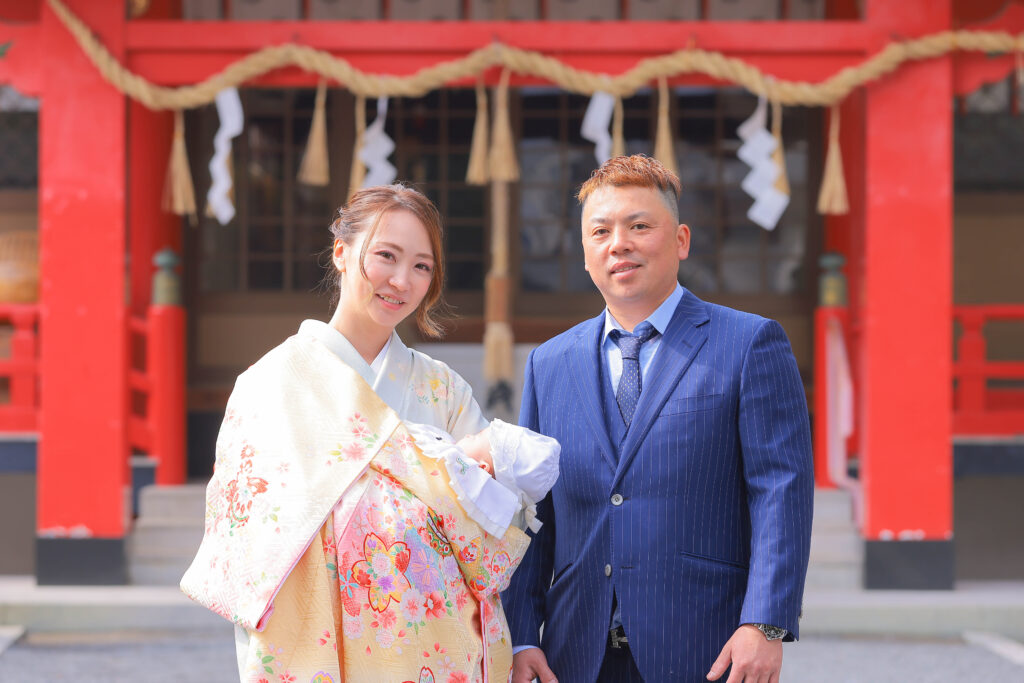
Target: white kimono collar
pixel 391 383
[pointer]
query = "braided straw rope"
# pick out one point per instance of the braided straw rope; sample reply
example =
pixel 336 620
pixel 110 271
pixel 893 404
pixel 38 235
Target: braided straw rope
pixel 713 64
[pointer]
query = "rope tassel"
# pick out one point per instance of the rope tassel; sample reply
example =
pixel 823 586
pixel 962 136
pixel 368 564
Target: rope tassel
pixel 832 198
pixel 1020 63
pixel 315 167
pixel 358 173
pixel 476 172
pixel 663 149
pixel 503 163
pixel 179 193
pixel 618 139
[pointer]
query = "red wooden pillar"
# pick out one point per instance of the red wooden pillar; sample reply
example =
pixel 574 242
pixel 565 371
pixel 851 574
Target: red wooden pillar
pixel 83 445
pixel 906 340
pixel 150 229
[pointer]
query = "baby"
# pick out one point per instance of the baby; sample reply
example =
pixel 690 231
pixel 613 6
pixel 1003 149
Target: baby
pixel 498 474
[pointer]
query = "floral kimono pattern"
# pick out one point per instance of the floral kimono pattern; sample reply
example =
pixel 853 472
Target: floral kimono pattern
pixel 339 545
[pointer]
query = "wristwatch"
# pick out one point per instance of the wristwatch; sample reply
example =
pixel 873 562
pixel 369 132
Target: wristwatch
pixel 771 632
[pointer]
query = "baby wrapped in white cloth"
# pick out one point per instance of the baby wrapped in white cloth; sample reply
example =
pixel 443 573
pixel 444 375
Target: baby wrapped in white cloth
pixel 524 465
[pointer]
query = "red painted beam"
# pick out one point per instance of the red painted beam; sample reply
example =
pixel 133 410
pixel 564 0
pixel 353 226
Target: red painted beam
pixel 564 37
pixel 972 70
pixel 176 53
pixel 188 68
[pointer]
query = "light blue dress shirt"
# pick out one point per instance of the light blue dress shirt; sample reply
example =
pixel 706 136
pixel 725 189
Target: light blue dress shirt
pixel 612 356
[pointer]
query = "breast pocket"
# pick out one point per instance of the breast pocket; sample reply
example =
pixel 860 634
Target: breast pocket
pixel 691 404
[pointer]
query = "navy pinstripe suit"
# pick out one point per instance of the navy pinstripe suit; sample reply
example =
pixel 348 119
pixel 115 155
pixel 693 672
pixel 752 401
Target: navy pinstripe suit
pixel 716 477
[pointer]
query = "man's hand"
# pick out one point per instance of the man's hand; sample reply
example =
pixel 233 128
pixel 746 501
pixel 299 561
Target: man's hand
pixel 754 659
pixel 531 663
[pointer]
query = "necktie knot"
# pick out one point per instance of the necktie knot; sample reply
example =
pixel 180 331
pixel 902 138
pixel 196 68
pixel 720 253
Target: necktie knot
pixel 629 344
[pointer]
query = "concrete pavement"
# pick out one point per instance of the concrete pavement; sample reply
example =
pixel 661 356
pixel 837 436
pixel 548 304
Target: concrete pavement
pixel 154 633
pixel 208 657
pixel 978 606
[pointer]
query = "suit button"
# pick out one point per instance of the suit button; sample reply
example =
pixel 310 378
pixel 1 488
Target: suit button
pixel 617 499
pixel 607 570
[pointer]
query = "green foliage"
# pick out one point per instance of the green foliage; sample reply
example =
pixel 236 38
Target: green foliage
pixel 4 47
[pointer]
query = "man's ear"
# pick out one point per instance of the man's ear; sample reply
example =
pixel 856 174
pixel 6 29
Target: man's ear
pixel 683 241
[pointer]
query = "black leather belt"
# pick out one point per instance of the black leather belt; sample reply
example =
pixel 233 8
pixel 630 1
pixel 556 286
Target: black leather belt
pixel 617 638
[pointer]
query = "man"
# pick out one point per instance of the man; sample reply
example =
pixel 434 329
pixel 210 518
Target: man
pixel 675 542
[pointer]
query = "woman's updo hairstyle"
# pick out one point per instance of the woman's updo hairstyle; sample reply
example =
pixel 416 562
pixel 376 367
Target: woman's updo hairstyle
pixel 363 213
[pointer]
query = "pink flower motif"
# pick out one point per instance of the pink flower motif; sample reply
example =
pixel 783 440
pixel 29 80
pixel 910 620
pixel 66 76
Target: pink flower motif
pixel 404 440
pixel 286 678
pixel 387 619
pixel 493 631
pixel 353 450
pixel 435 607
pixel 461 599
pixel 353 626
pixel 385 639
pixel 413 605
pixel 458 677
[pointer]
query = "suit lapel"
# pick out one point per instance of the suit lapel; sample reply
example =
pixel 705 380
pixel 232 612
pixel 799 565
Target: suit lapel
pixel 683 338
pixel 584 360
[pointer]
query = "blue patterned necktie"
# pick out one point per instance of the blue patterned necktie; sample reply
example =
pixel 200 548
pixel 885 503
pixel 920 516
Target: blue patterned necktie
pixel 628 392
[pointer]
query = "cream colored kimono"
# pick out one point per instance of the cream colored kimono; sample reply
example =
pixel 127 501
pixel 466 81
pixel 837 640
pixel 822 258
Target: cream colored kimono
pixel 335 542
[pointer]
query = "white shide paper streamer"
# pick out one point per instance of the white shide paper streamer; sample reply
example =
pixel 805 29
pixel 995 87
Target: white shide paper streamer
pixel 229 111
pixel 377 147
pixel 596 121
pixel 756 152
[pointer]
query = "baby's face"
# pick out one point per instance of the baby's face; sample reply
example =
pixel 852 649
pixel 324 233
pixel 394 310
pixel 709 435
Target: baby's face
pixel 477 446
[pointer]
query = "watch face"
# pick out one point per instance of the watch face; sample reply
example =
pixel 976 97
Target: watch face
pixel 772 632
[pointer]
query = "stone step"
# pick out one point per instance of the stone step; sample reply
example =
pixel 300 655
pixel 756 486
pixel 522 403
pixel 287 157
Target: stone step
pixel 101 608
pixel 160 552
pixel 837 548
pixel 832 507
pixel 827 576
pixel 187 501
pixel 144 572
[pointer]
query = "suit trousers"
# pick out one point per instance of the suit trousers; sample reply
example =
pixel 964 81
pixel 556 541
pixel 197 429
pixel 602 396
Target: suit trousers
pixel 618 667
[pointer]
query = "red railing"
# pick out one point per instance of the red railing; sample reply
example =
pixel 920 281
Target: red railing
pixel 156 374
pixel 980 409
pixel 21 369
pixel 156 379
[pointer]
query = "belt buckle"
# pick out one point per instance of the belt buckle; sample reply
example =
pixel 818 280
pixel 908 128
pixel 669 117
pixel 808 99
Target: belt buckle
pixel 617 637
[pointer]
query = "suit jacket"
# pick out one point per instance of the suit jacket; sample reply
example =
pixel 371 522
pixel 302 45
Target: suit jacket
pixel 715 475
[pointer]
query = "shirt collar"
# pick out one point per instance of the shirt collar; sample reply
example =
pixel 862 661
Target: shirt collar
pixel 660 319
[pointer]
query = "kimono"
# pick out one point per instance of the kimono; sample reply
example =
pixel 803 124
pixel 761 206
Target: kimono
pixel 335 542
pixel 417 387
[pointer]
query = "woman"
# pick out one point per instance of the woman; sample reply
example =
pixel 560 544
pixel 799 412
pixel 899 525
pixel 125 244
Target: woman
pixel 331 539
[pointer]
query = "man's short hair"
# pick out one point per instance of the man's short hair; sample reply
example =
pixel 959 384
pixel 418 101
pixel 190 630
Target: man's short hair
pixel 639 170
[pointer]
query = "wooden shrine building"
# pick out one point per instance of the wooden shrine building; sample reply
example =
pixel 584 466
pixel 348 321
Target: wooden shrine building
pixel 926 303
